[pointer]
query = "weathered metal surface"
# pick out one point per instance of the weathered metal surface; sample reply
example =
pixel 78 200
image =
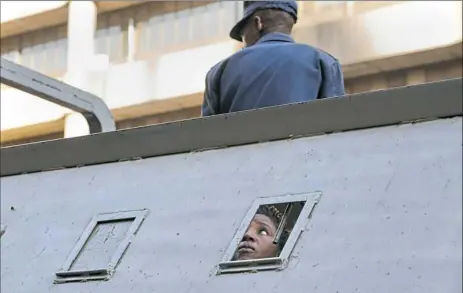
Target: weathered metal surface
pixel 94 110
pixel 389 219
pixel 426 101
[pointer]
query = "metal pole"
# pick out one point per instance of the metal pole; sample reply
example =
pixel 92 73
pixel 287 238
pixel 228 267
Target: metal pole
pixel 95 111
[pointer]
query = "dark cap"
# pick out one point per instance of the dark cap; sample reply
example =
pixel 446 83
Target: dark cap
pixel 252 6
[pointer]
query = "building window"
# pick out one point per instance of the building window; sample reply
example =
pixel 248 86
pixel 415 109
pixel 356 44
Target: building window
pixel 329 3
pixel 43 50
pixel 164 26
pixel 330 6
pixel 111 36
pixel 396 79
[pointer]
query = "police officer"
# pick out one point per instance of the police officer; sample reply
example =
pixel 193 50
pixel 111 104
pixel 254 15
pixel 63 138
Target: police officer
pixel 271 69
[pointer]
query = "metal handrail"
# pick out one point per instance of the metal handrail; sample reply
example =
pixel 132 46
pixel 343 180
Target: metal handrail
pixel 94 109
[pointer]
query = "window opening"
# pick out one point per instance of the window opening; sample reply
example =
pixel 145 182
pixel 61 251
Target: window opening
pixel 101 246
pixel 33 49
pixel 268 233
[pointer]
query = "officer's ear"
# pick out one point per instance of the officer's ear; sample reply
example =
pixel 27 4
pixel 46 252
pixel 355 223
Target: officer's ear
pixel 258 23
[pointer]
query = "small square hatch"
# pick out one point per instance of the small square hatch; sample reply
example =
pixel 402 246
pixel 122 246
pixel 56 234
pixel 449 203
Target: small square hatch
pixel 268 233
pixel 101 246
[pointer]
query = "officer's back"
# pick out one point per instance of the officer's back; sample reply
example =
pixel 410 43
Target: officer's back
pixel 272 69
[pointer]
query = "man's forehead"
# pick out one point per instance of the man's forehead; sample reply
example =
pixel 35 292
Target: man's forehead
pixel 263 219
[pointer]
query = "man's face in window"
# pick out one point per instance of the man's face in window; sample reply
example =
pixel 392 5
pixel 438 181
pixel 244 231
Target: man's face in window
pixel 258 240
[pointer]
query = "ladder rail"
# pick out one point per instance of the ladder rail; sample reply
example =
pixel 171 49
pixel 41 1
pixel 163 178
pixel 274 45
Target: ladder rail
pixel 94 109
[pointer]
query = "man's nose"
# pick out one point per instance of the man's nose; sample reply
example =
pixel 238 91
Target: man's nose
pixel 249 236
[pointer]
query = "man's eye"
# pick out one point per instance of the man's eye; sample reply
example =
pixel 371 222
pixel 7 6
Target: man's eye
pixel 263 232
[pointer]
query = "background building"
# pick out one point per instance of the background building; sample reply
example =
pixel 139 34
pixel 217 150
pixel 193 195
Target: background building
pixel 148 60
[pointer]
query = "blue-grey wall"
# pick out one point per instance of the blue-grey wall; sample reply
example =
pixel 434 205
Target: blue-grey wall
pixel 389 220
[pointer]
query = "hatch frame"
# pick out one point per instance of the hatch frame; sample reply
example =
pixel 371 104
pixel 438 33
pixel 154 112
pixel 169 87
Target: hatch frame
pixel 67 275
pixel 227 266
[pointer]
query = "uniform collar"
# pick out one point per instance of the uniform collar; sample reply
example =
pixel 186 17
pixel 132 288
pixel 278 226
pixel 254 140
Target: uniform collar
pixel 275 37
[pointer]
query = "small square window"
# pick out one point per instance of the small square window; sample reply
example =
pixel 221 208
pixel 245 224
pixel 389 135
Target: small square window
pixel 277 223
pixel 101 246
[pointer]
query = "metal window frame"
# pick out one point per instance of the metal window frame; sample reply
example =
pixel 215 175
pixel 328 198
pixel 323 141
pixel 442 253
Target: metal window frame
pixel 275 263
pixel 66 275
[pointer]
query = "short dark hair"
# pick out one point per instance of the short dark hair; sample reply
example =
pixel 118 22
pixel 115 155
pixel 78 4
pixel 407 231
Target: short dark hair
pixel 275 20
pixel 270 212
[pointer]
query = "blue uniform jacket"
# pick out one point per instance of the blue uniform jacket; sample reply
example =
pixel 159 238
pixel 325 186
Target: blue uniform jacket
pixel 275 71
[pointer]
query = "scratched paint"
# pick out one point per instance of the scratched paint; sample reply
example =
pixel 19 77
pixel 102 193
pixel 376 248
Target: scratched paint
pixel 389 220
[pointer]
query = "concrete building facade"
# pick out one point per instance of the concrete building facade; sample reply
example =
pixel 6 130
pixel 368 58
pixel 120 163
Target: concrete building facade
pixel 148 61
